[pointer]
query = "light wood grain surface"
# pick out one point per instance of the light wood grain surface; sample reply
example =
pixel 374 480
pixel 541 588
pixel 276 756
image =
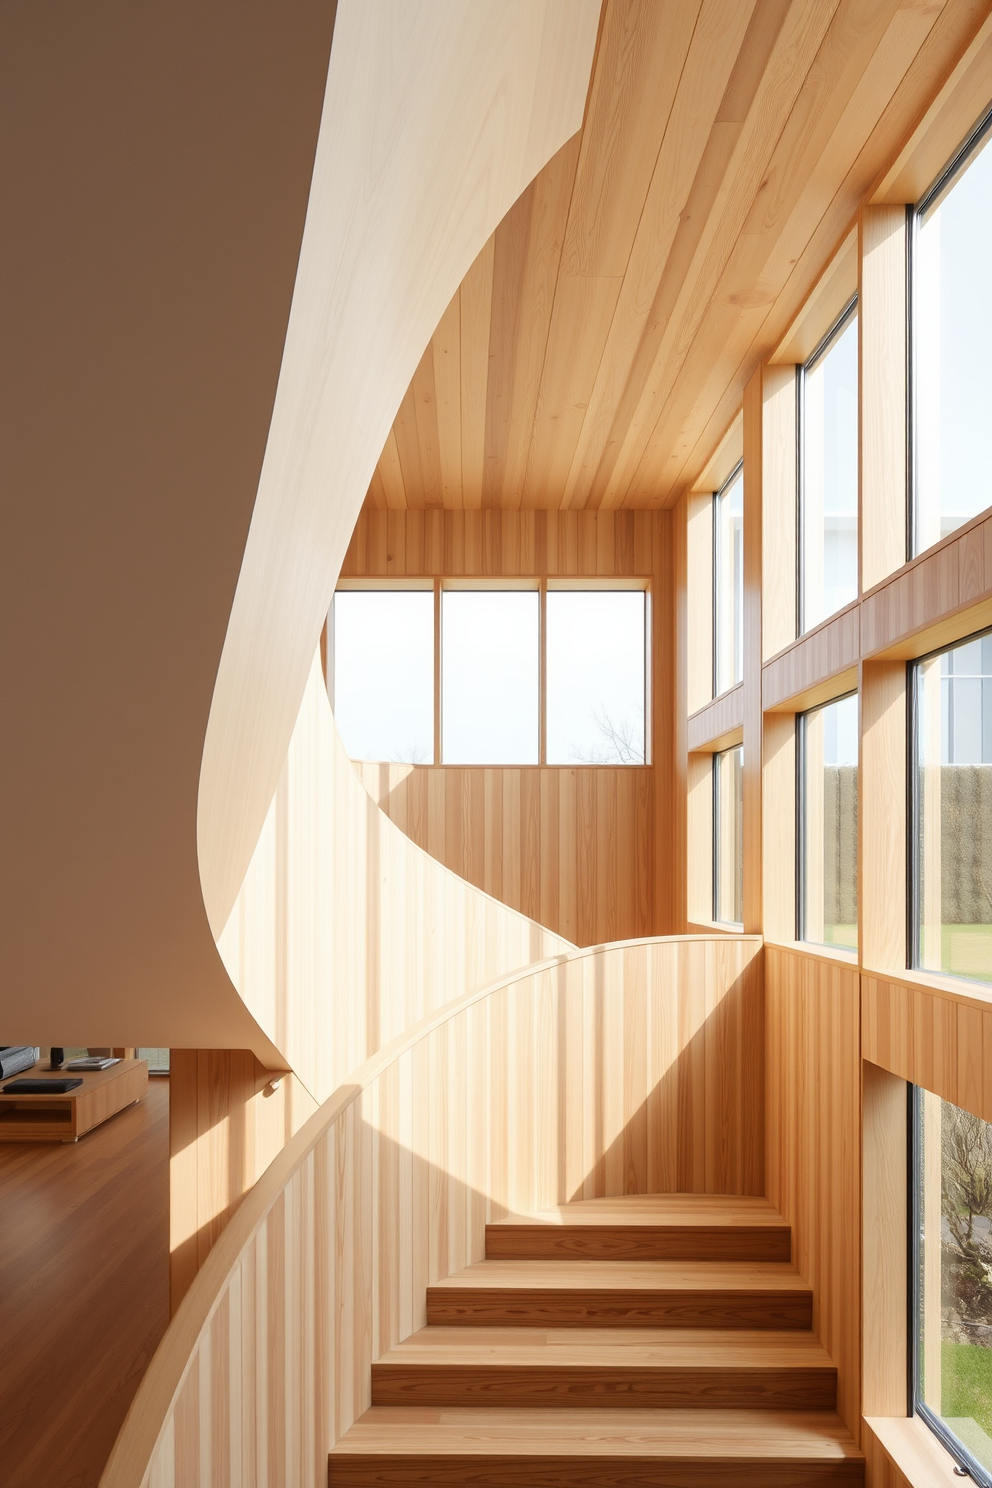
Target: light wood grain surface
pixel 480 97
pixel 813 1096
pixel 635 286
pixel 628 1069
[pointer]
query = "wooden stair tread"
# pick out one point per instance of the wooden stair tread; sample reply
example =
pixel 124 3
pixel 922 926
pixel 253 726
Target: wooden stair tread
pixel 692 1434
pixel 682 1348
pixel 719 1210
pixel 674 1368
pixel 636 1228
pixel 599 1275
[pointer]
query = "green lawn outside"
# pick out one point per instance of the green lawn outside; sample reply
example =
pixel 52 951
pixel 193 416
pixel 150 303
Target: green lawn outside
pixel 966 1383
pixel 966 950
pixel 843 935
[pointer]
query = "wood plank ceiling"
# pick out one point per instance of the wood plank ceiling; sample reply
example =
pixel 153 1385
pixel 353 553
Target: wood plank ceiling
pixel 598 348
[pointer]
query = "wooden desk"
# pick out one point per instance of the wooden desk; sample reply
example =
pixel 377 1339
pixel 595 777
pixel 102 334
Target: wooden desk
pixel 65 1118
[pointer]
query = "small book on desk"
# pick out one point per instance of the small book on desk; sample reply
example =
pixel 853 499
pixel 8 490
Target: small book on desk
pixel 40 1087
pixel 92 1062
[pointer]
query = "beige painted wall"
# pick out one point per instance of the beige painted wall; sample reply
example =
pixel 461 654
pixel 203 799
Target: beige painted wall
pixel 189 428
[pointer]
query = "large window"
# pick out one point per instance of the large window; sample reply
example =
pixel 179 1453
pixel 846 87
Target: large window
pixel 728 836
pixel 952 1271
pixel 595 662
pixel 952 334
pixel 383 673
pixel 490 676
pixel 828 824
pixel 728 583
pixel 828 525
pixel 519 675
pixel 952 881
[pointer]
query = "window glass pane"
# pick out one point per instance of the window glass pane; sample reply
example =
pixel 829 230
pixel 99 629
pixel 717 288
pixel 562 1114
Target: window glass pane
pixel 728 585
pixel 829 809
pixel 595 678
pixel 384 674
pixel 954 810
pixel 952 367
pixel 489 677
pixel 158 1060
pixel 954 1279
pixel 728 836
pixel 830 479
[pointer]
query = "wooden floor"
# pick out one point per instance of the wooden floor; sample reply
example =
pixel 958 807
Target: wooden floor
pixel 84 1291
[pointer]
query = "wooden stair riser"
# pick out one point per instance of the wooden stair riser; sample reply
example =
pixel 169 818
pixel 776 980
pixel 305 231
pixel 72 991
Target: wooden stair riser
pixel 588 1386
pixel 582 1471
pixel 561 1307
pixel 524 1242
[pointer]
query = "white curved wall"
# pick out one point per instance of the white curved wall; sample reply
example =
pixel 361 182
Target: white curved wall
pixel 181 471
pixel 437 115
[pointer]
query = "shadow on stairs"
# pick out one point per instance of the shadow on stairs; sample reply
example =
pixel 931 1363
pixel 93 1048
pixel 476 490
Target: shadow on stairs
pixel 661 1340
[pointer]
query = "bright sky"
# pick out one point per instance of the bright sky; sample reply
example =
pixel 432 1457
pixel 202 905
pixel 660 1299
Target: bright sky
pixel 384 674
pixel 830 479
pixel 489 677
pixel 953 363
pixel 595 677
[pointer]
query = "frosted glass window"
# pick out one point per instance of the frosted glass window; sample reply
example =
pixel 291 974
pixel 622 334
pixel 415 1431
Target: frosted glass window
pixel 829 823
pixel 489 677
pixel 595 677
pixel 384 674
pixel 728 836
pixel 728 584
pixel 953 809
pixel 829 578
pixel 952 332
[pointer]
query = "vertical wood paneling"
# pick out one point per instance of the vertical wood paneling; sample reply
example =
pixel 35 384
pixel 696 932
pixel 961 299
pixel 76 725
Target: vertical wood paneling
pixel 630 1069
pixel 575 848
pixel 940 1038
pixel 813 1103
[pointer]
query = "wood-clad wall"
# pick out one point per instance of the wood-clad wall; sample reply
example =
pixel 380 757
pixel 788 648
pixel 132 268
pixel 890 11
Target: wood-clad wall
pixel 633 1069
pixel 813 1171
pixel 569 846
pixel 343 936
pixel 344 933
pixel 936 1036
pixel 582 850
pixel 228 1119
pixel 845 1034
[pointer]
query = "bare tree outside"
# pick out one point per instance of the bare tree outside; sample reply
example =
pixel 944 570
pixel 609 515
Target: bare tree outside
pixel 966 1201
pixel 622 740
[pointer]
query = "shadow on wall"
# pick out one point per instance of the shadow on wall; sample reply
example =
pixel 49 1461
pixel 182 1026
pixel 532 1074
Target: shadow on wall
pixel 698 1129
pixel 352 1243
pixel 569 846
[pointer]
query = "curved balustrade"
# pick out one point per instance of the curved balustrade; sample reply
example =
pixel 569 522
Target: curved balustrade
pixel 631 1068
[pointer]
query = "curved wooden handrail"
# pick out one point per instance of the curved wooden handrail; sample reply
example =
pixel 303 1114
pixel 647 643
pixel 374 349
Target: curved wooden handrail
pixel 698 977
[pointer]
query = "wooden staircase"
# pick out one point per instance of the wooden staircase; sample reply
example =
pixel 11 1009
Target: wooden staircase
pixel 611 1344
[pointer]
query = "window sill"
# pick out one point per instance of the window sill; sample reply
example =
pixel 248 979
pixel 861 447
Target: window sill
pixel 715 927
pixel 915 1451
pixel 817 952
